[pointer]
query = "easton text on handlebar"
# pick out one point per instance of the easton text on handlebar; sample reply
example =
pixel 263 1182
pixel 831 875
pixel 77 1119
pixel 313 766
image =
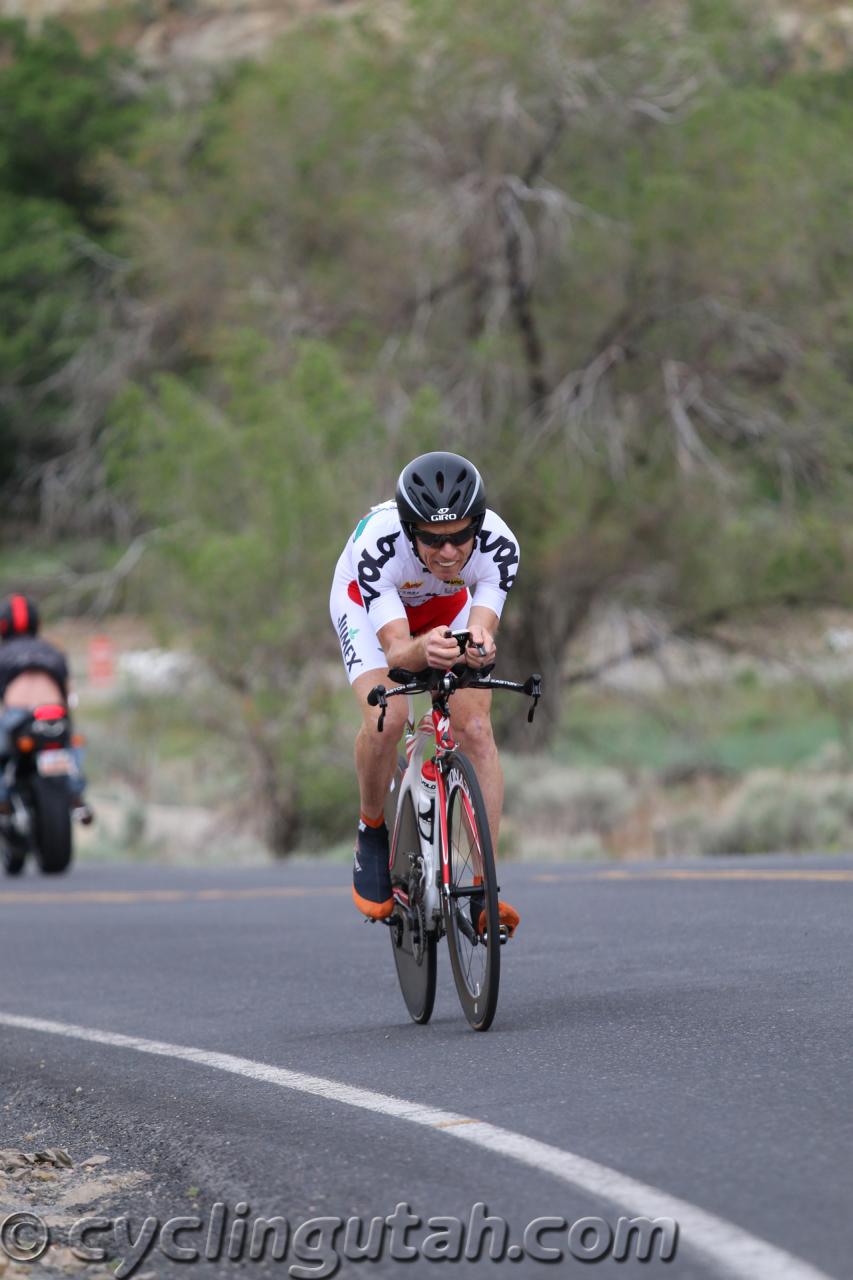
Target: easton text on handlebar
pixel 443 683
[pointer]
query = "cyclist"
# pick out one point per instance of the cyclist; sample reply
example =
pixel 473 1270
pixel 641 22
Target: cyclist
pixel 431 561
pixel 32 671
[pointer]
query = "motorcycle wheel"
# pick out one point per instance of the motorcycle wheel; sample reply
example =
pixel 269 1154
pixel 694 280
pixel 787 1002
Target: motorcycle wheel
pixel 52 827
pixel 13 859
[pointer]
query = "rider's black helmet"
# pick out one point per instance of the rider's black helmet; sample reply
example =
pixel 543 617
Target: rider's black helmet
pixel 18 617
pixel 439 486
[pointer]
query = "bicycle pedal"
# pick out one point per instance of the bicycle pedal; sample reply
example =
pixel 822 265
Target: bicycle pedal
pixel 504 935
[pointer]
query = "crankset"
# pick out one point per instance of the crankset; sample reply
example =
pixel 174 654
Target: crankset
pixel 411 916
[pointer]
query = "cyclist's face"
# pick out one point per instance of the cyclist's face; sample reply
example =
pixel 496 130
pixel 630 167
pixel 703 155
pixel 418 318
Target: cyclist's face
pixel 445 560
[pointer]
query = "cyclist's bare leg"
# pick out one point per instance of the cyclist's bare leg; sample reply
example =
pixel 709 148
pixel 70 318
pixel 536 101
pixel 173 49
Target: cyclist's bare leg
pixel 375 752
pixel 470 717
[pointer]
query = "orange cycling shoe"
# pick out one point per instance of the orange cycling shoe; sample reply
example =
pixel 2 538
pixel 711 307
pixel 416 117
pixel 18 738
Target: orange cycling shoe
pixel 371 877
pixel 507 916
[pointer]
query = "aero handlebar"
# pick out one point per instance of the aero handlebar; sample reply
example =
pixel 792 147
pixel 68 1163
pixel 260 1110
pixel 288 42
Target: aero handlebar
pixel 441 684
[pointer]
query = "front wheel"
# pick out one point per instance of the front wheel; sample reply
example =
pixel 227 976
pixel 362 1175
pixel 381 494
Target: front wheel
pixel 412 942
pixel 472 898
pixel 52 825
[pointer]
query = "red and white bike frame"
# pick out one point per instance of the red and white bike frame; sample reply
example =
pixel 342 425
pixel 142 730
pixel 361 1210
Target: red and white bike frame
pixel 424 778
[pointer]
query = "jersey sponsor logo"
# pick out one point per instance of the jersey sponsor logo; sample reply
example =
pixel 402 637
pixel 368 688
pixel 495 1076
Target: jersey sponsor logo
pixel 455 582
pixel 346 635
pixel 370 567
pixel 411 586
pixel 504 552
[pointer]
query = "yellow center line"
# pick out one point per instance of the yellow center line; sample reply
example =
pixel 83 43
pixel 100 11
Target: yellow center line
pixel 833 877
pixel 121 897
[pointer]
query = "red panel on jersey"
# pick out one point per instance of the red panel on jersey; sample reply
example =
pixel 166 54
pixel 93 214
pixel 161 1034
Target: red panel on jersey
pixel 433 613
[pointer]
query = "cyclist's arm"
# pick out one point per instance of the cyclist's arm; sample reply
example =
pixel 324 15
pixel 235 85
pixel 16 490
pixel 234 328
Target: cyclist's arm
pixel 433 649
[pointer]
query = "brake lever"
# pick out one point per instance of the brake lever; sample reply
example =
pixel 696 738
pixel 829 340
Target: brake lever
pixel 377 698
pixel 533 688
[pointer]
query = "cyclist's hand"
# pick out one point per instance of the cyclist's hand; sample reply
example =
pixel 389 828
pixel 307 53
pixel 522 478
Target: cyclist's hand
pixel 481 650
pixel 441 648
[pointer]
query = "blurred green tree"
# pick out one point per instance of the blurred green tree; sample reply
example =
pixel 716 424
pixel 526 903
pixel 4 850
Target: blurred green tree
pixel 60 110
pixel 246 485
pixel 616 251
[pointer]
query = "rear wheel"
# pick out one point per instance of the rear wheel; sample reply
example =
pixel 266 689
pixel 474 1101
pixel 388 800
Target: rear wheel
pixel 52 827
pixel 475 953
pixel 412 943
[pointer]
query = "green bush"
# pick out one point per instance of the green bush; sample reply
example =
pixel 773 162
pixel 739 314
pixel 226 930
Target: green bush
pixel 547 797
pixel 773 811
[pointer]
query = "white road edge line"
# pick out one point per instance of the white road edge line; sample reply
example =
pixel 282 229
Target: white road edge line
pixel 726 1248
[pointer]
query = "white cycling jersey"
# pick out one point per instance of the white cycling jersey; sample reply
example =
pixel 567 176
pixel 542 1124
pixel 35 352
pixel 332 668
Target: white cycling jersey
pixel 379 579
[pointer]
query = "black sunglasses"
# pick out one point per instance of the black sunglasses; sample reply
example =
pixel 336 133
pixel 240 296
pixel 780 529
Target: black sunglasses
pixel 457 539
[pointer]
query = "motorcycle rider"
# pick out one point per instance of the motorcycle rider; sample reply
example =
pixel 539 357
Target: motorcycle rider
pixel 32 671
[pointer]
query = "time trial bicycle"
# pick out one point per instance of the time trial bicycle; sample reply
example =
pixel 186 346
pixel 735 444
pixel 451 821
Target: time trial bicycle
pixel 442 864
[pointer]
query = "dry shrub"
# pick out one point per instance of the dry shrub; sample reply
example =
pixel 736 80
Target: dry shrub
pixel 554 801
pixel 774 811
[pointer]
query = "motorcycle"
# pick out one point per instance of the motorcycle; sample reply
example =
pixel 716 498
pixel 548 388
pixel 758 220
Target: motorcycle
pixel 38 773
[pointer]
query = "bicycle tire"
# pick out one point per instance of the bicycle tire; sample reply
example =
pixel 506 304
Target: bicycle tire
pixel 474 958
pixel 392 795
pixel 414 945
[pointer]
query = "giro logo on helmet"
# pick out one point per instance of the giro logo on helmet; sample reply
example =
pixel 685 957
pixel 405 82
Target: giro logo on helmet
pixel 444 513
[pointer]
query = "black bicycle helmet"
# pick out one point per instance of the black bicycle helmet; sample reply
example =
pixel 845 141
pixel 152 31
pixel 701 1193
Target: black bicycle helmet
pixel 18 617
pixel 439 486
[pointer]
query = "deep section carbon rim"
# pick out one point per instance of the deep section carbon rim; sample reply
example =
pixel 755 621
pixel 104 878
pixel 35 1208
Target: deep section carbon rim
pixel 414 947
pixel 472 900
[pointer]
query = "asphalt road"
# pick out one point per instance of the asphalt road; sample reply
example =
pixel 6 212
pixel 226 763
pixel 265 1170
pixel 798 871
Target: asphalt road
pixel 688 1026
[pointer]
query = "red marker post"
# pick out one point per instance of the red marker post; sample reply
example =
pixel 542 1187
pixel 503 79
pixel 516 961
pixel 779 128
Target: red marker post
pixel 102 661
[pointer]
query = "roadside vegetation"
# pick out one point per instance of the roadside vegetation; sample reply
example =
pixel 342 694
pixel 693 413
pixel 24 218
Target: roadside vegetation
pixel 731 766
pixel 611 262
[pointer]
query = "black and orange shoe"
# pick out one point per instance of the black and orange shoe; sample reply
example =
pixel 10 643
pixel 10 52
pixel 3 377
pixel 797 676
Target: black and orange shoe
pixel 508 917
pixel 371 877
